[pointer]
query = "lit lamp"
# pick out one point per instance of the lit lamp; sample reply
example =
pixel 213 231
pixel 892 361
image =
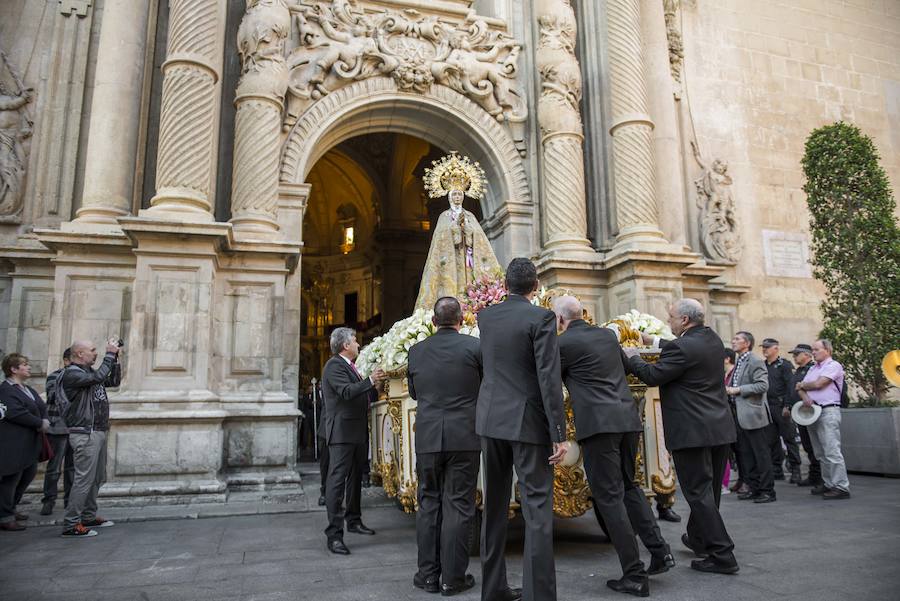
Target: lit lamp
pixel 347 244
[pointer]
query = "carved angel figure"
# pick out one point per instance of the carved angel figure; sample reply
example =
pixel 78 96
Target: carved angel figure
pixel 15 128
pixel 484 72
pixel 719 235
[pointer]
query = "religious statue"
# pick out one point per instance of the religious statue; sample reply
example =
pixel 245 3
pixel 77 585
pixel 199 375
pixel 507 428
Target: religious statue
pixel 15 128
pixel 719 234
pixel 460 251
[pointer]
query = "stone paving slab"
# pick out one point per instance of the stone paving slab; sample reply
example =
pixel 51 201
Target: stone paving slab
pixel 799 548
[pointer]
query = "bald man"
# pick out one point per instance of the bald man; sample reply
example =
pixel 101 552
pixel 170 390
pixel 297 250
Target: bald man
pixel 608 426
pixel 698 425
pixel 87 417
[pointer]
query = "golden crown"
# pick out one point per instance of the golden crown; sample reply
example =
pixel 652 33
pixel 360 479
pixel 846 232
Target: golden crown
pixel 454 172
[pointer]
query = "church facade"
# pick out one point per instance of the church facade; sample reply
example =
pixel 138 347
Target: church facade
pixel 219 183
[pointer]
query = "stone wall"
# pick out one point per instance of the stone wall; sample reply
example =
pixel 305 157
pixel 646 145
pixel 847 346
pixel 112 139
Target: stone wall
pixel 759 77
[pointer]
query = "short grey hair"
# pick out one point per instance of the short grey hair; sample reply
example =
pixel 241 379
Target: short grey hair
pixel 568 307
pixel 690 308
pixel 340 337
pixel 826 344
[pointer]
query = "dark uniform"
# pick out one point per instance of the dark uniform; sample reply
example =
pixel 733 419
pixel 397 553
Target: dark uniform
pixel 815 470
pixel 782 428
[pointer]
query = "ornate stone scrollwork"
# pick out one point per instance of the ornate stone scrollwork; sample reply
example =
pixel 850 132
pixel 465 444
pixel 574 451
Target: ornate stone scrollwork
pixel 676 44
pixel 15 130
pixel 337 43
pixel 719 234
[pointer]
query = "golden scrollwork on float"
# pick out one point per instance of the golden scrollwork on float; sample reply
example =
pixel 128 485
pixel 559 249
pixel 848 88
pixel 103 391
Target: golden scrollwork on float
pixel 571 493
pixel 389 478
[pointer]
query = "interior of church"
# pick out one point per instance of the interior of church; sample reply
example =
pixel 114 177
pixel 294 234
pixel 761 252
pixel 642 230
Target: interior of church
pixel 366 235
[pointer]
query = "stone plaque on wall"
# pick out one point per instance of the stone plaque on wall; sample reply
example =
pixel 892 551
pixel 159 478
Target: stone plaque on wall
pixel 786 254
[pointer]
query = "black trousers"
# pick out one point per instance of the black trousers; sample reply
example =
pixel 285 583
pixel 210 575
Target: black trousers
pixel 700 472
pixel 756 460
pixel 344 481
pixel 446 497
pixel 783 428
pixel 323 465
pixel 61 462
pixel 640 513
pixel 12 487
pixel 736 449
pixel 605 457
pixel 815 469
pixel 535 477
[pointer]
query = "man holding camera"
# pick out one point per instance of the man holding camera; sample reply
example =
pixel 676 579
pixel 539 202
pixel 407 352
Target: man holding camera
pixel 87 417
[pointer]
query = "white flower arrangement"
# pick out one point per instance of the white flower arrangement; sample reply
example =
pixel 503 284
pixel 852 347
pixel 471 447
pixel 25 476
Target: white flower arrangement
pixel 642 322
pixel 390 351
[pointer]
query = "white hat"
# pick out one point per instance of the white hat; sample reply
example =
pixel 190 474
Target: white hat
pixel 803 415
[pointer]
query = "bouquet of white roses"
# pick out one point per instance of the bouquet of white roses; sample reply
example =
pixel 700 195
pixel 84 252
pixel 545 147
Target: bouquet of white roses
pixel 641 322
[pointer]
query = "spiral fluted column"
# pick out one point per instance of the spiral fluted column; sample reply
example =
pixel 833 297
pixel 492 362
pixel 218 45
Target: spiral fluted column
pixel 637 213
pixel 257 129
pixel 563 199
pixel 189 110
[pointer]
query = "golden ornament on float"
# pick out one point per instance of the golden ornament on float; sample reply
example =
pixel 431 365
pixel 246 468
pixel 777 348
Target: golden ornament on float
pixel 455 172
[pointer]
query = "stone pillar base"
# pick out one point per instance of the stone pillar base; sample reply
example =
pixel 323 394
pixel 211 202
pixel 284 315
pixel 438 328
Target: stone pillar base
pixel 583 275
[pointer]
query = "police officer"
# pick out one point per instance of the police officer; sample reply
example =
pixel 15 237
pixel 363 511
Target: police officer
pixel 803 358
pixel 781 428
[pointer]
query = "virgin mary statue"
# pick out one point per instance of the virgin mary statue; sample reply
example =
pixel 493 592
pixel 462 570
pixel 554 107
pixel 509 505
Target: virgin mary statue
pixel 460 251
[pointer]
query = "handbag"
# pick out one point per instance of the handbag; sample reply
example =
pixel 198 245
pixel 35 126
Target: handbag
pixel 46 453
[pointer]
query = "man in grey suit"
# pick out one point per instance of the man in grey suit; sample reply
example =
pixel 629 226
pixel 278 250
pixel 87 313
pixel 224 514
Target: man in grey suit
pixel 520 413
pixel 347 397
pixel 608 427
pixel 444 375
pixel 747 389
pixel 698 426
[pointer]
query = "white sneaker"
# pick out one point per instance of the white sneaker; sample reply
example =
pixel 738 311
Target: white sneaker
pixel 725 490
pixel 99 522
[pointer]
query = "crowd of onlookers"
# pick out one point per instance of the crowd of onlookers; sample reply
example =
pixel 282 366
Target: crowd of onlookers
pixel 68 431
pixel 777 408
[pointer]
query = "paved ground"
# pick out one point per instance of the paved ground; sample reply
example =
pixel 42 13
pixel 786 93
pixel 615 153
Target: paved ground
pixel 798 548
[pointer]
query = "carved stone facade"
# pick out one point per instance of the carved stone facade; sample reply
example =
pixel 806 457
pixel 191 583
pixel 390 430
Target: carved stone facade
pixel 103 110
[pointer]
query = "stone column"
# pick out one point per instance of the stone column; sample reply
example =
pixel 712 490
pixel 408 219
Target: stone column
pixel 637 213
pixel 661 94
pixel 115 112
pixel 563 205
pixel 259 102
pixel 188 130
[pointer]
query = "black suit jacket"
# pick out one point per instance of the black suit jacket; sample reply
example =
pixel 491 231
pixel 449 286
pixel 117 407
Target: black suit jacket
pixel 20 439
pixel 593 369
pixel 690 374
pixel 347 400
pixel 521 394
pixel 444 376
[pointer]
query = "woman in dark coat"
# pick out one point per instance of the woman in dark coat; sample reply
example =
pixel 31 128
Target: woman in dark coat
pixel 20 438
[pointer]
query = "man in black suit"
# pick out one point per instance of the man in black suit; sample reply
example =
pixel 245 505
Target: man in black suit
pixel 608 427
pixel 347 397
pixel 444 375
pixel 698 427
pixel 520 413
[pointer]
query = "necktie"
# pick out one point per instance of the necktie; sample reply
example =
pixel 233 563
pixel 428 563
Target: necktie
pixel 356 371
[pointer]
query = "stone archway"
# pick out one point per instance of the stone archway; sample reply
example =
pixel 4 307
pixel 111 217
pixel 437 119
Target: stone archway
pixel 440 116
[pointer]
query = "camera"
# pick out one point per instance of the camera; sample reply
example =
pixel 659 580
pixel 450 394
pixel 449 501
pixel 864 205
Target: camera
pixel 120 343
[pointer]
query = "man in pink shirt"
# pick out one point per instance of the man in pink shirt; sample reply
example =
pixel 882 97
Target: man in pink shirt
pixel 822 386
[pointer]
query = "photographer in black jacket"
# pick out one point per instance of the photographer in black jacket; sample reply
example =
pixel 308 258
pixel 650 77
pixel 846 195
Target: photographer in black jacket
pixel 83 389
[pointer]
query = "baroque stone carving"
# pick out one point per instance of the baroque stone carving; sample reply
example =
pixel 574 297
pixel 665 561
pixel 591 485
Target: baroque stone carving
pixel 338 43
pixel 263 84
pixel 719 234
pixel 15 130
pixel 676 44
pixel 559 117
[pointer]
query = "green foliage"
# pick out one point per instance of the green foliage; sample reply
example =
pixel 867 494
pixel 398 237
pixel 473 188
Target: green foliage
pixel 856 251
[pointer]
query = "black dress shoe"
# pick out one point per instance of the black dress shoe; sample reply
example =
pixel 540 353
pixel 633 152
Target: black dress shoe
pixel 366 482
pixel 448 590
pixel 658 565
pixel 360 528
pixel 834 494
pixel 668 514
pixel 795 477
pixel 321 500
pixel 429 584
pixel 808 482
pixel 819 489
pixel 510 594
pixel 713 567
pixel 47 508
pixel 637 587
pixel 338 547
pixel 765 498
pixel 696 548
pixel 748 496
